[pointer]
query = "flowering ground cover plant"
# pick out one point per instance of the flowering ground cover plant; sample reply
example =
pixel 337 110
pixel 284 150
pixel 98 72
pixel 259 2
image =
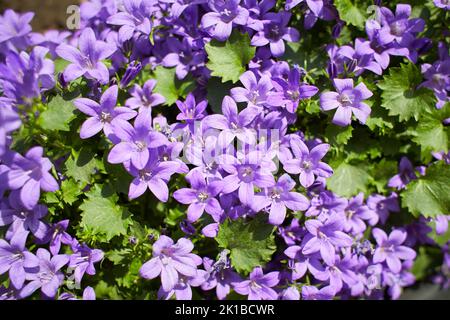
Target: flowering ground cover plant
pixel 218 149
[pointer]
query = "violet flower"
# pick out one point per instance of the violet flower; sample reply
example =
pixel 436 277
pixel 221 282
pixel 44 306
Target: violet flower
pixel 14 258
pixel 307 163
pixel 390 249
pixel 190 110
pixel 255 92
pixel 348 99
pixel 278 198
pixel 47 277
pixel 103 115
pixel 183 57
pixel 259 286
pixel 136 142
pixel 314 293
pixel 406 174
pixel 224 14
pixel 144 98
pixel 171 261
pixel 200 197
pixel 275 32
pixel 220 275
pixel 86 61
pixel 325 237
pixel 83 260
pixel 14 29
pixel 30 175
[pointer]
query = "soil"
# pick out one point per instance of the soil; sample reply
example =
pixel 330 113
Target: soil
pixel 50 14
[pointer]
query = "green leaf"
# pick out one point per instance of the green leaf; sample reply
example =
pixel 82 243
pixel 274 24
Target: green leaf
pixel 82 165
pixel 169 86
pixel 352 12
pixel 101 213
pixel 70 191
pixel 228 60
pixel 338 135
pixel 421 264
pixel 430 194
pixel 251 243
pixel 401 95
pixel 348 180
pixel 58 115
pixel 430 133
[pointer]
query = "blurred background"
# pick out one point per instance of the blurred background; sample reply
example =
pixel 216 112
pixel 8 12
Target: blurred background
pixel 50 14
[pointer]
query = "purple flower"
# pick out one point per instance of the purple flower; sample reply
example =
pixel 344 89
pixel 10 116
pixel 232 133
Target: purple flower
pixel 406 175
pixel 22 219
pixel 356 213
pixel 50 39
pixel 132 71
pixel 83 260
pixel 47 277
pixel 136 142
pixel 278 198
pixel 224 14
pixel 182 290
pixel 255 92
pixel 144 98
pixel 220 275
pixel 361 57
pixel 275 32
pixel 30 175
pixel 382 206
pixel 103 116
pixel 441 224
pixel 324 204
pixel 154 176
pixel 443 4
pixel 245 174
pixel 390 249
pixel 234 124
pixel 201 197
pixel 135 18
pixel 183 57
pixel 314 293
pixel 86 61
pixel 57 234
pixel 14 29
pixel 399 28
pixel 259 286
pixel 25 76
pixel 438 79
pixel 190 110
pixel 290 91
pixel 14 258
pixel 179 6
pixel 171 261
pixel 347 100
pixel 9 121
pixel 325 237
pixel 307 163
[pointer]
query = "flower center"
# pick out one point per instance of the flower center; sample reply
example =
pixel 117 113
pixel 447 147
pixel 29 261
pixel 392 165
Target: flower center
pixel 345 100
pixel 202 196
pixel 274 32
pixel 255 285
pixel 140 145
pixel 293 95
pixel 307 164
pixel 145 175
pixel 397 28
pixel 105 117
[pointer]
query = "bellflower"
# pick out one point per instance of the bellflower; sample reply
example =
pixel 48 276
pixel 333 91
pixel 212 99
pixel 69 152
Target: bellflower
pixel 406 174
pixel 391 250
pixel 222 17
pixel 177 7
pixel 278 198
pixel 275 32
pixel 14 29
pixel 83 259
pixel 361 56
pixel 259 286
pixel 382 206
pixel 325 237
pixel 87 60
pixel 443 4
pixel 9 122
pixel 348 99
pixel 290 91
pixel 47 277
pixel 153 176
pixel 136 142
pixel 14 258
pixel 183 57
pixel 307 162
pixel 220 275
pixel 314 293
pixel 144 98
pixel 30 175
pixel 356 213
pixel 245 174
pixel 133 19
pixel 255 92
pixel 324 204
pixel 171 261
pixel 234 124
pixel 438 79
pixel 103 115
pixel 190 110
pixel 201 197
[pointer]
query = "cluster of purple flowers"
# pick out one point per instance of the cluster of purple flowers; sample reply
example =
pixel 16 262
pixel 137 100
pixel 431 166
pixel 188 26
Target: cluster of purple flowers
pixel 234 173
